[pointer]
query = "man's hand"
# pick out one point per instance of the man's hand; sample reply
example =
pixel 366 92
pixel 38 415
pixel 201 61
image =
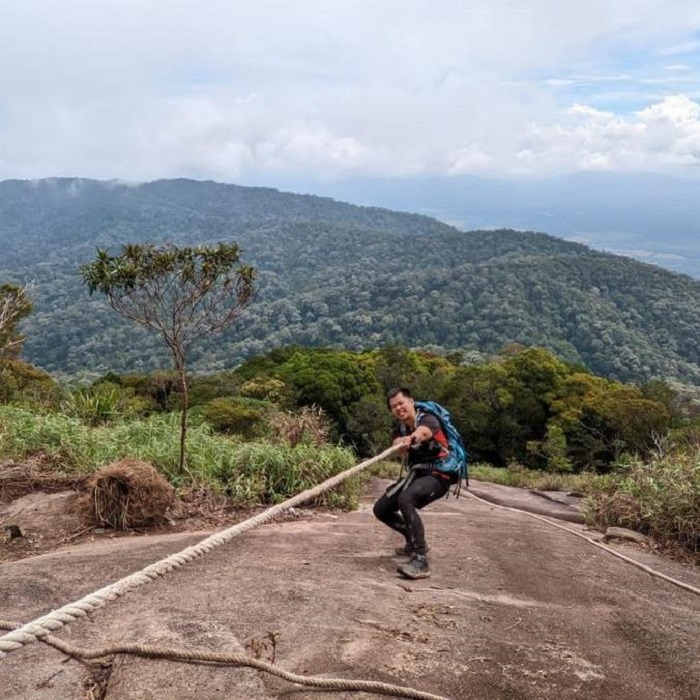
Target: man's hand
pixel 420 434
pixel 404 443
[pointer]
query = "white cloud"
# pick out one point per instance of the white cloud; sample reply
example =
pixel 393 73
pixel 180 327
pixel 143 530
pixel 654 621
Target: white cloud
pixel 587 111
pixel 669 80
pixel 559 82
pixel 468 160
pixel 678 110
pixel 662 137
pixel 305 144
pixel 681 48
pixel 225 89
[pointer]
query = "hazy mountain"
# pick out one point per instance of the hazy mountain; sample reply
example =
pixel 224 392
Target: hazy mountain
pixel 653 218
pixel 337 274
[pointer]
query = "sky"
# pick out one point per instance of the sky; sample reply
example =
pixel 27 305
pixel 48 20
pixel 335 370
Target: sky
pixel 248 92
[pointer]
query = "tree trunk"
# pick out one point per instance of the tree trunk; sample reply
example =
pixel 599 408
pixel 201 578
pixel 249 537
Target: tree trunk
pixel 182 374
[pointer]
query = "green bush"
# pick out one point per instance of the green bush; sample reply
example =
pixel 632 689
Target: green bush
pixel 660 498
pixel 266 388
pixel 26 385
pixel 387 470
pixel 104 402
pixel 235 416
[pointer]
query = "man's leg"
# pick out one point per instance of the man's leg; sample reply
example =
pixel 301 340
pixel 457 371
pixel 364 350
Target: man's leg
pixel 423 490
pixel 386 509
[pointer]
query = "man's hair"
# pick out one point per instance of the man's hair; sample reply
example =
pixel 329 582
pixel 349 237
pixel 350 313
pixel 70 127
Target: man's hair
pixel 395 392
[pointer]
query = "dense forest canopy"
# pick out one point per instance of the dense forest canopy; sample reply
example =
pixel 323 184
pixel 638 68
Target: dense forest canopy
pixel 333 274
pixel 523 406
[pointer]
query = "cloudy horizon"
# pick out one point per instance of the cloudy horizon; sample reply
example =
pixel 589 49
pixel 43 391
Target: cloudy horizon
pixel 237 93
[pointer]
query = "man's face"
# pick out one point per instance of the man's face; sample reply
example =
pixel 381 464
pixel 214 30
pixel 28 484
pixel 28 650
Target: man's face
pixel 402 407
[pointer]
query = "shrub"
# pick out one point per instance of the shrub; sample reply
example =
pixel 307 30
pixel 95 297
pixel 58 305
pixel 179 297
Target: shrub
pixel 104 402
pixel 26 385
pixel 232 416
pixel 267 388
pixel 387 470
pixel 660 498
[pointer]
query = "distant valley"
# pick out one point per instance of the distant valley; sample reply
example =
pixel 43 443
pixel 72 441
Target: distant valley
pixel 653 218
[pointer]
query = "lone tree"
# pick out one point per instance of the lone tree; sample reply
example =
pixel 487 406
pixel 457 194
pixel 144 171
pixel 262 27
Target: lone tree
pixel 14 306
pixel 182 293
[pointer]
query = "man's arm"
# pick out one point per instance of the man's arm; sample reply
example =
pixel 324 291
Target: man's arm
pixel 422 433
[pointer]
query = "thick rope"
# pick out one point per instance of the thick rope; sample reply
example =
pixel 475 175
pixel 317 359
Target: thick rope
pixel 232 659
pixel 629 560
pixel 56 619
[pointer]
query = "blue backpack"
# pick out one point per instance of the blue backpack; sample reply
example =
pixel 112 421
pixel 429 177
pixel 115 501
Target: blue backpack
pixel 455 464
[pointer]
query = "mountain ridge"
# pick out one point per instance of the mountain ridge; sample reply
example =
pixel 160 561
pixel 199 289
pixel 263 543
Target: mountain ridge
pixel 650 217
pixel 336 274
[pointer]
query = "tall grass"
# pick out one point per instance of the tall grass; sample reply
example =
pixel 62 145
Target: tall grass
pixel 249 473
pixel 660 498
pixel 518 476
pixel 274 472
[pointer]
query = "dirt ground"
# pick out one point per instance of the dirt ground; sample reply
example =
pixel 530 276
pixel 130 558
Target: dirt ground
pixel 514 609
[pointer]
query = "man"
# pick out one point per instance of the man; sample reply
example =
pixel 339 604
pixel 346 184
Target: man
pixel 422 441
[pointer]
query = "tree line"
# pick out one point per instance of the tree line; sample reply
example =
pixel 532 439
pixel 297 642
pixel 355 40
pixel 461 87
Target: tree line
pixel 523 406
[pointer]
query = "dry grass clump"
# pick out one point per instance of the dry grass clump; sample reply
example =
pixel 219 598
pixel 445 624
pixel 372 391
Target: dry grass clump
pixel 128 494
pixel 310 426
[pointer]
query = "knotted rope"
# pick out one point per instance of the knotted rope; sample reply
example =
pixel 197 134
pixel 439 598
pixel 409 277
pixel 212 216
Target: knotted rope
pixel 232 659
pixel 56 619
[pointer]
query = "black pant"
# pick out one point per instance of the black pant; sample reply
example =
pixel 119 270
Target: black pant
pixel 398 507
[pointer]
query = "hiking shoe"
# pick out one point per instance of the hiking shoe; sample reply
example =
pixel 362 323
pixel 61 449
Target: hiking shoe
pixel 406 550
pixel 416 568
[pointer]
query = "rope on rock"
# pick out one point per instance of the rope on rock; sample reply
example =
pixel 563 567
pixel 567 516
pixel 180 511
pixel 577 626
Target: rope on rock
pixel 56 619
pixel 232 659
pixel 629 560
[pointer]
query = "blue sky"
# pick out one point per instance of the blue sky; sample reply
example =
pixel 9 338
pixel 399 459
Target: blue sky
pixel 624 78
pixel 250 92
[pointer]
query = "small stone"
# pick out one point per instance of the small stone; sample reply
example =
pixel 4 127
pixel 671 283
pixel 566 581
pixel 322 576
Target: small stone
pixel 622 533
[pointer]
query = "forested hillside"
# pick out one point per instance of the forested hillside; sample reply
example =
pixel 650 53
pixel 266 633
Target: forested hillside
pixel 333 274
